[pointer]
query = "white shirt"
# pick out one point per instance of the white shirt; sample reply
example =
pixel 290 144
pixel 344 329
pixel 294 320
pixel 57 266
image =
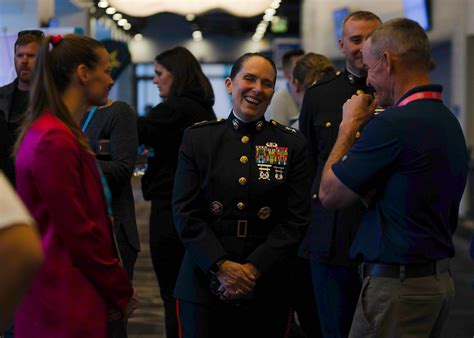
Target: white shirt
pixel 282 108
pixel 12 210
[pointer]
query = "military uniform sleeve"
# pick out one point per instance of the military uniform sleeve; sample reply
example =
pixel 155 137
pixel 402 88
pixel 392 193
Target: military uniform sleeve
pixel 189 210
pixel 286 235
pixel 306 127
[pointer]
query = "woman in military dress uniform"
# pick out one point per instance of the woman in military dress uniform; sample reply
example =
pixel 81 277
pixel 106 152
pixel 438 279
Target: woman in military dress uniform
pixel 241 205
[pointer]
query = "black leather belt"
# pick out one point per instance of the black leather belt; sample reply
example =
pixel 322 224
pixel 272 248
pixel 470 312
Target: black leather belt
pixel 404 271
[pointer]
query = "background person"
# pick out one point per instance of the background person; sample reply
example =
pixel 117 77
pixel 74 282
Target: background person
pixel 14 96
pixel 284 108
pixel 412 159
pixel 306 72
pixel 20 249
pixel 335 277
pixel 240 205
pixel 112 134
pixel 58 180
pixel 187 99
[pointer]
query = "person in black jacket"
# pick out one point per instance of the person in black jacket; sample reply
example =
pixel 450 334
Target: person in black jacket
pixel 188 99
pixel 240 204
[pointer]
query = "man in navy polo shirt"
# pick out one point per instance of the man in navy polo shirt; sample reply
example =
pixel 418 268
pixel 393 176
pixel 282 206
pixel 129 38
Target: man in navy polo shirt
pixel 410 166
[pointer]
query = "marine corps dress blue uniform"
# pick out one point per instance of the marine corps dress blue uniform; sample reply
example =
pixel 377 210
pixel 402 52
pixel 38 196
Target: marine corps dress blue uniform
pixel 241 193
pixel 331 232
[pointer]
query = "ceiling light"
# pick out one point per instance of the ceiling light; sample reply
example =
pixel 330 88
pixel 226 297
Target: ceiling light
pixel 268 17
pixel 110 10
pixel 246 8
pixel 127 26
pixel 138 37
pixel 190 17
pixel 275 5
pixel 117 16
pixel 270 11
pixel 103 4
pixel 197 35
pixel 122 22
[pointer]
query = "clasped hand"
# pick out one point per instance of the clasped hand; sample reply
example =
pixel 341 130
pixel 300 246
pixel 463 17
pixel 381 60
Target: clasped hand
pixel 237 280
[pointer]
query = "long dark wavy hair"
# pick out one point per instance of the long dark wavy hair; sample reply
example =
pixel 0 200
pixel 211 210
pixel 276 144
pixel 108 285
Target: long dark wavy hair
pixel 186 71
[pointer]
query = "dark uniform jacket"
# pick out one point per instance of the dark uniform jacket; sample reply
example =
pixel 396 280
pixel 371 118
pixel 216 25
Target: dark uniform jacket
pixel 116 125
pixel 241 192
pixel 331 231
pixel 8 130
pixel 162 131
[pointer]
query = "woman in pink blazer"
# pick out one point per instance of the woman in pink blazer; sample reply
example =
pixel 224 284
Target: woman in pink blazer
pixel 81 280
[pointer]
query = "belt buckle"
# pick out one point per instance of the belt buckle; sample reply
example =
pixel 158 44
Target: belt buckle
pixel 242 228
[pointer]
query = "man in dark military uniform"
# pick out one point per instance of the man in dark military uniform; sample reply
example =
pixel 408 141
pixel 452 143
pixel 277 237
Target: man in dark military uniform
pixel 327 242
pixel 241 207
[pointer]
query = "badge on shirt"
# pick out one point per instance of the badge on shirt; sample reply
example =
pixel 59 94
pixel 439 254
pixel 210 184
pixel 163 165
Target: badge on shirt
pixel 268 157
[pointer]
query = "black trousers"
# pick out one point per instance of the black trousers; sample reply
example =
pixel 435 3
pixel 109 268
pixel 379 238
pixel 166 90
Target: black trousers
pixel 218 320
pixel 167 252
pixel 303 299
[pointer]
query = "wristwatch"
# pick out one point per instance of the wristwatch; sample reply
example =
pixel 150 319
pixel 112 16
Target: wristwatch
pixel 216 267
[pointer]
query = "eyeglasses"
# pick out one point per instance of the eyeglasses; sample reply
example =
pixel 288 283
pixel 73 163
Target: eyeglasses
pixel 34 32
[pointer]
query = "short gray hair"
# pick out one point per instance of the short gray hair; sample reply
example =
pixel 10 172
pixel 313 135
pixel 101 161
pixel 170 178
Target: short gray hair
pixel 405 38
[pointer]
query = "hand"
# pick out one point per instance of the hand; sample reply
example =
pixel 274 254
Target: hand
pixel 235 278
pixel 358 109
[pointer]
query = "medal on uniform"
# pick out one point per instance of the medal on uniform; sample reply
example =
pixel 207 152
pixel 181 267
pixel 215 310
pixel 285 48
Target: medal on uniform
pixel 268 156
pixel 261 159
pixel 280 163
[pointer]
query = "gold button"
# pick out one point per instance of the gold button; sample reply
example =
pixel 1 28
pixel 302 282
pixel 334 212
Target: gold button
pixel 244 159
pixel 242 181
pixel 315 196
pixel 359 92
pixel 358 134
pixel 328 124
pixel 245 139
pixel 240 205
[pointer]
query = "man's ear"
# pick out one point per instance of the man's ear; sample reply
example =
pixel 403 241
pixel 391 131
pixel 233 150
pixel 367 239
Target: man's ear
pixel 228 85
pixel 82 73
pixel 341 45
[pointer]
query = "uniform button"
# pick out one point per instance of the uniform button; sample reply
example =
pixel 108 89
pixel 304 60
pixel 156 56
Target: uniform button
pixel 244 159
pixel 315 196
pixel 245 139
pixel 358 134
pixel 328 124
pixel 240 205
pixel 242 181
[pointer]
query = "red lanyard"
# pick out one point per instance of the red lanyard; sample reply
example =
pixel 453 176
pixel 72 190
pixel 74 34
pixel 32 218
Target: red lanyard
pixel 419 96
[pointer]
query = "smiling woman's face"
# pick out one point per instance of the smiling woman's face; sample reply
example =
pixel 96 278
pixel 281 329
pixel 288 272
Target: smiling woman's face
pixel 252 88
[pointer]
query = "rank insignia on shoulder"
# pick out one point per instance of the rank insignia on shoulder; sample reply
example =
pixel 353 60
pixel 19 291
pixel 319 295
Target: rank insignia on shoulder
pixel 207 123
pixel 283 127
